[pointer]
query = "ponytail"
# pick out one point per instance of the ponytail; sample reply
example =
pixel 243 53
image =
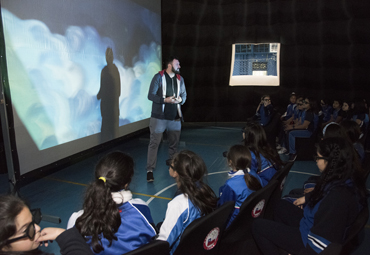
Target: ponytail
pixel 101 215
pixel 252 182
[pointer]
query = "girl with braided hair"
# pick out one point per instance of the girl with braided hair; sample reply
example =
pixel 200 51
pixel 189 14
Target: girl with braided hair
pixel 111 221
pixel 328 211
pixel 193 199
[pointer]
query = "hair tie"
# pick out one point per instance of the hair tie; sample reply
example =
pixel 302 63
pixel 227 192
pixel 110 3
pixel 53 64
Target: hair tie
pixel 103 178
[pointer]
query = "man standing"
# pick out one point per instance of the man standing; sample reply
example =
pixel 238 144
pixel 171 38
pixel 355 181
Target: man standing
pixel 167 92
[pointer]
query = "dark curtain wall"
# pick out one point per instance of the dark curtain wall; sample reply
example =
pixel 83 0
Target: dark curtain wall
pixel 325 50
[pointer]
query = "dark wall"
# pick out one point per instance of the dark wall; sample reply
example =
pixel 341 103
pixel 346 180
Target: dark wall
pixel 325 50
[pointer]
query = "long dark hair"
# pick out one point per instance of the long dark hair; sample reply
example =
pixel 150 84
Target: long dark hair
pixel 101 215
pixel 314 107
pixel 10 207
pixel 342 164
pixel 240 158
pixel 255 140
pixel 191 169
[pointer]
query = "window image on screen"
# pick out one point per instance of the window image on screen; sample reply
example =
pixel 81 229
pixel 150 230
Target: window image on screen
pixel 78 72
pixel 255 64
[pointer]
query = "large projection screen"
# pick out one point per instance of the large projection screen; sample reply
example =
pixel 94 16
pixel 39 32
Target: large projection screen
pixel 78 72
pixel 255 64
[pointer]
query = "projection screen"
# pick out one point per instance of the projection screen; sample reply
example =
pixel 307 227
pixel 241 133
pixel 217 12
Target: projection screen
pixel 78 72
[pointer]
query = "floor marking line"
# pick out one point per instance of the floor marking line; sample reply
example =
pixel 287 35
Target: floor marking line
pixel 159 192
pixel 81 184
pixel 170 186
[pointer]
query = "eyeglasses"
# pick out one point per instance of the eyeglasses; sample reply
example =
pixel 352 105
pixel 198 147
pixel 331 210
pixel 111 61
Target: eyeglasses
pixel 316 158
pixel 305 102
pixel 30 232
pixel 267 100
pixel 300 104
pixel 172 166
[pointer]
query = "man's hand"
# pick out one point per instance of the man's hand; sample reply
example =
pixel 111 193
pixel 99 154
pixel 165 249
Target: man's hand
pixel 170 100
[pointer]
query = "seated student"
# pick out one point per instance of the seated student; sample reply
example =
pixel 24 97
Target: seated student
pixel 111 221
pixel 297 118
pixel 19 234
pixel 337 114
pixel 306 128
pixel 353 132
pixel 328 210
pixel 265 110
pixel 360 114
pixel 243 181
pixel 346 111
pixel 265 160
pixel 195 198
pixel 327 112
pixel 290 108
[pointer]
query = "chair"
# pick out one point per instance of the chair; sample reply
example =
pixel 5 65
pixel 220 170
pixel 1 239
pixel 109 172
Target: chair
pixel 157 247
pixel 253 207
pixel 306 147
pixel 280 176
pixel 352 236
pixel 272 129
pixel 203 234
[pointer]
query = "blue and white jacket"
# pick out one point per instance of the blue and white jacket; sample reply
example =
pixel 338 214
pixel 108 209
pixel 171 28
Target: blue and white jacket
pixel 135 229
pixel 180 213
pixel 328 221
pixel 267 169
pixel 235 189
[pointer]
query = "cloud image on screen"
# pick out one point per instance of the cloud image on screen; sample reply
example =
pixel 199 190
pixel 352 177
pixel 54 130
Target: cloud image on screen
pixel 55 75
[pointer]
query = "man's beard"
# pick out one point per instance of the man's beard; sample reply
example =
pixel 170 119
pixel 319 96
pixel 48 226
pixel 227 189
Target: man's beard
pixel 175 71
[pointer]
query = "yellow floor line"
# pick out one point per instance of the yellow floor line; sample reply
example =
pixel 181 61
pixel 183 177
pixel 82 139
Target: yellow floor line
pixel 81 184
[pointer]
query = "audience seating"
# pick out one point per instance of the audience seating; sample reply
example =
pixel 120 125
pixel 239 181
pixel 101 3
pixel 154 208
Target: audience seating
pixel 203 235
pixel 239 233
pixel 352 239
pixel 280 176
pixel 272 129
pixel 306 147
pixel 156 247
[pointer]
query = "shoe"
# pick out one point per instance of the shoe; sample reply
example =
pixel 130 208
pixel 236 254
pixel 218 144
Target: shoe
pixel 168 162
pixel 149 177
pixel 282 150
pixel 292 157
pixel 278 147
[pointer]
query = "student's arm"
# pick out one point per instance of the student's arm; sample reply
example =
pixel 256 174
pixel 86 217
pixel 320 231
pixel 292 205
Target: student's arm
pixel 226 194
pixel 305 125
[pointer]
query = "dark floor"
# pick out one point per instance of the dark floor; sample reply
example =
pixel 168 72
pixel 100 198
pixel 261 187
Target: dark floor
pixel 61 193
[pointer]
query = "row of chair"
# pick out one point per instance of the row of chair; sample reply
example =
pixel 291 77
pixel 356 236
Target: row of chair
pixel 207 235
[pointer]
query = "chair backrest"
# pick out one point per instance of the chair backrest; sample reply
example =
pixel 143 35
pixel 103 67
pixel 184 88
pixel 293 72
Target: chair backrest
pixel 353 231
pixel 203 234
pixel 253 207
pixel 280 176
pixel 157 247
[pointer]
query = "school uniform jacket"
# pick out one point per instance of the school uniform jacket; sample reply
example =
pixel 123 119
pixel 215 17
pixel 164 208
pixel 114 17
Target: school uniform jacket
pixel 267 169
pixel 328 221
pixel 180 213
pixel 235 189
pixel 135 229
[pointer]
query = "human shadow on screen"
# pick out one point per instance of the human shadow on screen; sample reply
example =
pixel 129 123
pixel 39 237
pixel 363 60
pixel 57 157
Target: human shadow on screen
pixel 109 93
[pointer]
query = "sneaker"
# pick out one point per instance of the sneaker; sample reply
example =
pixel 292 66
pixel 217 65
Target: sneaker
pixel 278 147
pixel 292 157
pixel 282 150
pixel 168 162
pixel 149 177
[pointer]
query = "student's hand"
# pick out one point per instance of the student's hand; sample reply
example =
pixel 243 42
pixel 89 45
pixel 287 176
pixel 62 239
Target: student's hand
pixel 288 127
pixel 308 190
pixel 300 202
pixel 178 100
pixel 49 234
pixel 169 100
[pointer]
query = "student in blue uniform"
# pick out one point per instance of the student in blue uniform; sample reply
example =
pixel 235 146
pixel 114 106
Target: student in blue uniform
pixel 194 199
pixel 243 181
pixel 265 160
pixel 328 211
pixel 111 221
